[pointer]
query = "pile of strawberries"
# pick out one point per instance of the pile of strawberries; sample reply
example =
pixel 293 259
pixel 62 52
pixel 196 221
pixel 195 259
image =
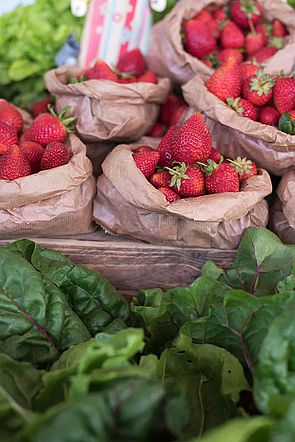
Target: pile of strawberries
pixel 131 68
pixel 256 95
pixel 185 164
pixel 237 30
pixel 38 148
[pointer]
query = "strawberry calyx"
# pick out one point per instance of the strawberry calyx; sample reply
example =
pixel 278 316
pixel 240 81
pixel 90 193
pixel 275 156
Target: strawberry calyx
pixel 249 7
pixel 262 83
pixel 209 168
pixel 125 75
pixel 276 42
pixel 267 29
pixel 213 58
pixel 241 165
pixel 67 122
pixel 178 173
pixel 74 80
pixel 287 123
pixel 235 104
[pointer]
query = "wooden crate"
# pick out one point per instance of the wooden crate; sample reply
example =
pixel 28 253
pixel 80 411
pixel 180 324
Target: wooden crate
pixel 131 265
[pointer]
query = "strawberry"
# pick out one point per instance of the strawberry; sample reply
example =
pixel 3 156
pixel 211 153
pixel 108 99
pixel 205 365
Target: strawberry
pixel 194 142
pixel 245 13
pixel 221 178
pixel 55 155
pixel 34 153
pixel 178 114
pixel 40 107
pixel 203 16
pixel 101 71
pixel 207 63
pixel 198 40
pixel 279 29
pixel 49 127
pixel 160 179
pixel 231 36
pixel 284 94
pixel 148 77
pixel 225 54
pixel 215 155
pixel 258 89
pixel 253 42
pixel 167 110
pixel 8 137
pixel 213 27
pixel 157 131
pixel 243 107
pixel 226 82
pixel 10 115
pixel 187 181
pixel 269 115
pixel 264 30
pixel 132 62
pixel 146 162
pixel 248 69
pixel 244 167
pixel 212 60
pixel 145 149
pixel 219 15
pixel 170 195
pixel 13 164
pixel 263 54
pixel 127 79
pixel 166 145
pixel 287 122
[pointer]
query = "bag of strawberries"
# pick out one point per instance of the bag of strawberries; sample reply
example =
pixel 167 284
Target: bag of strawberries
pixel 182 192
pixel 283 211
pixel 198 36
pixel 120 104
pixel 46 183
pixel 249 113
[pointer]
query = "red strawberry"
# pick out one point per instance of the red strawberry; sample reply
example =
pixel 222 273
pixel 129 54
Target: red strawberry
pixel 166 145
pixel 259 89
pixel 10 115
pixel 225 54
pixel 208 63
pixel 132 62
pixel 8 137
pixel 279 29
pixel 253 43
pixel 160 179
pixel 101 71
pixel 40 107
pixel 263 54
pixel 178 114
pixel 243 107
pixel 203 16
pixel 215 155
pixel 157 131
pixel 248 69
pixel 221 178
pixel 213 27
pixel 219 15
pixel 148 77
pixel 167 110
pixel 263 31
pixel 170 195
pixel 226 82
pixel 284 94
pixel 145 149
pixel 198 40
pixel 55 155
pixel 231 36
pixel 269 115
pixel 146 162
pixel 34 153
pixel 245 12
pixel 245 168
pixel 187 181
pixel 13 164
pixel 49 127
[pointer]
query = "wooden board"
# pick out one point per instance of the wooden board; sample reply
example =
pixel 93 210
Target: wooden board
pixel 131 265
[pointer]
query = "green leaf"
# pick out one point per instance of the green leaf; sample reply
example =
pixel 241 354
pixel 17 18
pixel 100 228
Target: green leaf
pixel 21 69
pixel 284 430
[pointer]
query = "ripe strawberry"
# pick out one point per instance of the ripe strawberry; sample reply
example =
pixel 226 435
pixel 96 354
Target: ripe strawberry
pixel 231 36
pixel 170 195
pixel 127 79
pixel 225 54
pixel 248 69
pixel 219 15
pixel 187 181
pixel 160 179
pixel 263 54
pixel 40 107
pixel 226 82
pixel 279 29
pixel 167 110
pixel 178 114
pixel 49 127
pixel 221 178
pixel 253 43
pixel 215 155
pixel 198 40
pixel 259 89
pixel 243 107
pixel 8 137
pixel 145 149
pixel 287 122
pixel 101 71
pixel 146 162
pixel 269 115
pixel 213 27
pixel 264 31
pixel 166 145
pixel 245 12
pixel 203 16
pixel 10 115
pixel 132 62
pixel 148 77
pixel 55 155
pixel 157 131
pixel 284 94
pixel 244 167
pixel 207 63
pixel 13 164
pixel 34 153
pixel 194 142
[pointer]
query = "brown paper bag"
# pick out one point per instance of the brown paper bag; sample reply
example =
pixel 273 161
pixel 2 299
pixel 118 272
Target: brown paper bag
pixel 126 203
pixel 106 110
pixel 168 58
pixel 51 202
pixel 235 135
pixel 283 210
